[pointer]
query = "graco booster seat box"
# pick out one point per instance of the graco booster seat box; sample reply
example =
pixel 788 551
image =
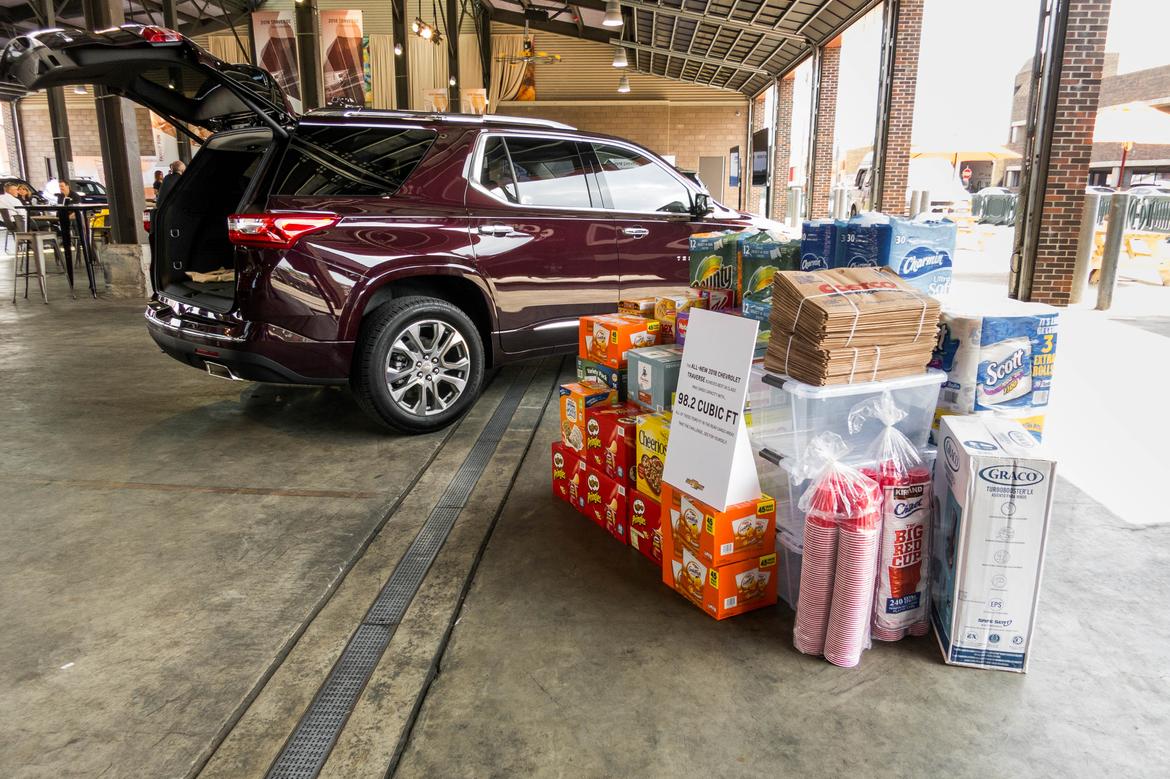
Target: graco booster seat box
pixel 994 495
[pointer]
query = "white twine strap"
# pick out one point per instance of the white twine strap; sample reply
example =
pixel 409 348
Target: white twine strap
pixel 787 351
pixel 877 359
pixel 854 368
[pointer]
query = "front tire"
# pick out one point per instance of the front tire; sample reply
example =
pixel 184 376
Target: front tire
pixel 419 364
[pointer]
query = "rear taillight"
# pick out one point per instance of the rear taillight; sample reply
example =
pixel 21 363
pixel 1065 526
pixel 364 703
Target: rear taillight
pixel 275 231
pixel 146 219
pixel 152 34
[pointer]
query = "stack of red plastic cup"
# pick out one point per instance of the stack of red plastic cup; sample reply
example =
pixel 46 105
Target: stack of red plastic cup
pixel 817 569
pixel 852 604
pixel 905 580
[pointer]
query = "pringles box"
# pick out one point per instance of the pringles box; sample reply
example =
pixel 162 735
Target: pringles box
pixel 653 376
pixel 568 472
pixel 743 531
pixel 643 307
pixel 605 338
pixel 645 517
pixel 614 378
pixel 994 488
pixel 650 451
pixel 605 503
pixel 576 398
pixel 610 435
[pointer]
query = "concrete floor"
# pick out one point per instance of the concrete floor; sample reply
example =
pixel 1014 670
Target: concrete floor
pixel 183 560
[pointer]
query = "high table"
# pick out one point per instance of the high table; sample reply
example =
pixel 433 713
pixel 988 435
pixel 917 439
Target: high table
pixel 80 213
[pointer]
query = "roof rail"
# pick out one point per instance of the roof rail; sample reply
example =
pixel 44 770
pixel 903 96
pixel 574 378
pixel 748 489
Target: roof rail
pixel 433 116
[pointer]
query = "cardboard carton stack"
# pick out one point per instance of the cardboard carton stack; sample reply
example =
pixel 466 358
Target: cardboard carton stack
pixel 849 325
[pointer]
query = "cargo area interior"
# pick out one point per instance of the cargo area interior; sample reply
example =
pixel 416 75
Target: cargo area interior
pixel 189 232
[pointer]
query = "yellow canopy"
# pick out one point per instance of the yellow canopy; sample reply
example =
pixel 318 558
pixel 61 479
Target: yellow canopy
pixel 964 153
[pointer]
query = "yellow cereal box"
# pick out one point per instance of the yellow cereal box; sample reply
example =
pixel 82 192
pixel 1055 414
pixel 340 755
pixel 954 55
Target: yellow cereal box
pixel 650 452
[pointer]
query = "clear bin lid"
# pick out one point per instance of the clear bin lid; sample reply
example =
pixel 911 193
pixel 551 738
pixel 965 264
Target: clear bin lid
pixel 931 377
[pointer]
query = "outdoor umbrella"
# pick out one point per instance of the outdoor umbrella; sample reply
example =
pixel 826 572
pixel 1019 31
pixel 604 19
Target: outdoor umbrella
pixel 1129 124
pixel 957 154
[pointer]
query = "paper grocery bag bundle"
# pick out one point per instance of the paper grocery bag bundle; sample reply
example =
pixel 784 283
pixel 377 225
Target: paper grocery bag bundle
pixel 849 325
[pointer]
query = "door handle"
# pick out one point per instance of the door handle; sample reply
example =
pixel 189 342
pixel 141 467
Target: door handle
pixel 495 229
pixel 635 232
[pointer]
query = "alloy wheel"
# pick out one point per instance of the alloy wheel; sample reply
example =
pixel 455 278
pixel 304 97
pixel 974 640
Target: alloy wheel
pixel 427 367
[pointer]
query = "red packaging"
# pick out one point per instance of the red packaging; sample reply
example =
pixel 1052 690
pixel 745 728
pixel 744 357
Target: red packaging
pixel 568 473
pixel 610 435
pixel 900 600
pixel 644 524
pixel 604 501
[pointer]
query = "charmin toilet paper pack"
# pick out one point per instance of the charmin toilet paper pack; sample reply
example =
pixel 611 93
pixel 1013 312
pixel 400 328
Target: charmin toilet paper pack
pixel 998 363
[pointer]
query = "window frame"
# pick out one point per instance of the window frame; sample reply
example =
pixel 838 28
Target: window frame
pixel 595 179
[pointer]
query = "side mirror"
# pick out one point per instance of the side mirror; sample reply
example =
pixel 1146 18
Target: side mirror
pixel 701 205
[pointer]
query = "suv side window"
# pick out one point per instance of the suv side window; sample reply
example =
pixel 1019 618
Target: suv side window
pixel 496 172
pixel 547 172
pixel 638 183
pixel 350 161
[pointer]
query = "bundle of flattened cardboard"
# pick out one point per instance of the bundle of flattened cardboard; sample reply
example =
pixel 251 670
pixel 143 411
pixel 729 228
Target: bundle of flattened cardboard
pixel 849 325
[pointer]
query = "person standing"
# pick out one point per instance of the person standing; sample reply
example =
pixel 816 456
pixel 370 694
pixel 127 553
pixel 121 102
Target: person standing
pixel 170 180
pixel 158 180
pixel 65 198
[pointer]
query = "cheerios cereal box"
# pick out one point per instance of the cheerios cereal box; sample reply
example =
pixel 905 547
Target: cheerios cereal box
pixel 568 471
pixel 605 338
pixel 650 452
pixel 576 398
pixel 743 531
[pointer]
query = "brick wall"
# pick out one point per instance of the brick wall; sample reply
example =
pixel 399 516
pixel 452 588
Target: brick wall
pixel 1072 143
pixel 83 133
pixel 686 130
pixel 782 152
pixel 821 176
pixel 904 82
pixel 759 119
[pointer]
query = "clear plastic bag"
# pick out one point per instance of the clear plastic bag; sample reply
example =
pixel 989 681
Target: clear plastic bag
pixel 901 595
pixel 842 508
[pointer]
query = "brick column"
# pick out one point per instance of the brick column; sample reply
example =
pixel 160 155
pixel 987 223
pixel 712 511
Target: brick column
pixel 1072 146
pixel 754 194
pixel 821 175
pixel 782 154
pixel 903 82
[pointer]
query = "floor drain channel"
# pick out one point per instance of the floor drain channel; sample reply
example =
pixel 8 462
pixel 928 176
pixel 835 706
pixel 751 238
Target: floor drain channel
pixel 311 742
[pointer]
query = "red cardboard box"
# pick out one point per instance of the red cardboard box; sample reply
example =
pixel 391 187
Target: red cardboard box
pixel 745 530
pixel 604 501
pixel 645 534
pixel 568 472
pixel 610 435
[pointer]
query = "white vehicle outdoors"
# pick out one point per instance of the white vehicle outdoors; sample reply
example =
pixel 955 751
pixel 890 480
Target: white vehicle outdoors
pixel 936 176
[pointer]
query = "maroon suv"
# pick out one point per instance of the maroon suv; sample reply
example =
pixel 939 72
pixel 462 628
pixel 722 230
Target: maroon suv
pixel 403 253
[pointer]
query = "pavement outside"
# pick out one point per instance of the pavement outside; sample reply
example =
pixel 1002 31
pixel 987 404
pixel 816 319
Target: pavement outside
pixel 183 560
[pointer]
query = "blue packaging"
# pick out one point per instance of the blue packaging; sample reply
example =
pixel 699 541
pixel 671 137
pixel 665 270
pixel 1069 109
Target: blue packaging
pixel 820 242
pixel 759 310
pixel 920 251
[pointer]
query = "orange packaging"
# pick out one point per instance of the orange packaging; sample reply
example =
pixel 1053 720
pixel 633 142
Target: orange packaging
pixel 605 503
pixel 605 338
pixel 725 591
pixel 717 538
pixel 610 432
pixel 568 473
pixel 645 535
pixel 643 307
pixel 576 398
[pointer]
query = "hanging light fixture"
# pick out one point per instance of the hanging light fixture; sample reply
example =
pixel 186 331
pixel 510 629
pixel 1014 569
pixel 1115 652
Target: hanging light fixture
pixel 613 14
pixel 451 81
pixel 416 25
pixel 619 57
pixel 624 84
pixel 398 50
pixel 79 89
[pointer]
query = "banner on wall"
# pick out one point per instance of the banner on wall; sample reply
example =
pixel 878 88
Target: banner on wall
pixel 342 56
pixel 276 50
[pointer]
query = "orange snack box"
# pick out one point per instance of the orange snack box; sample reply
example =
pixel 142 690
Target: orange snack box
pixel 725 591
pixel 575 399
pixel 605 338
pixel 717 538
pixel 605 503
pixel 610 432
pixel 568 473
pixel 645 535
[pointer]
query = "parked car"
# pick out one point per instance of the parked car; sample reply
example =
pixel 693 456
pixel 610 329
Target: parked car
pixel 85 190
pixel 404 253
pixel 1156 188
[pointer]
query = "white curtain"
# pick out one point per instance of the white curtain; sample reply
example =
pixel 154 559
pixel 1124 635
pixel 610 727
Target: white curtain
pixel 228 49
pixel 382 68
pixel 426 68
pixel 470 63
pixel 506 76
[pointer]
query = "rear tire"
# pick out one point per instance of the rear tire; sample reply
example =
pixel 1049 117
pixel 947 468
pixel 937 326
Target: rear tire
pixel 419 364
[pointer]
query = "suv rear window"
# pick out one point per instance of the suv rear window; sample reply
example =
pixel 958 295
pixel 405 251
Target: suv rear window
pixel 350 161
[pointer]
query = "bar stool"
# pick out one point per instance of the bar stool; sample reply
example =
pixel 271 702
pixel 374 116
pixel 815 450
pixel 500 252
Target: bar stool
pixel 30 248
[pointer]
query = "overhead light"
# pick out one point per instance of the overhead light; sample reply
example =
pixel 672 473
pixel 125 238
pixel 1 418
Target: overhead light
pixel 398 49
pixel 613 14
pixel 79 89
pixel 619 57
pixel 624 84
pixel 426 33
pixel 416 25
pixel 451 81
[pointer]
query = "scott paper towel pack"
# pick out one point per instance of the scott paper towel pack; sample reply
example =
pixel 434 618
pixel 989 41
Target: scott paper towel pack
pixel 919 250
pixel 997 363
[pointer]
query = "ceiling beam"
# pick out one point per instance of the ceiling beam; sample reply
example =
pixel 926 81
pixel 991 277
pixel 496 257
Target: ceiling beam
pixel 721 21
pixel 691 57
pixel 560 28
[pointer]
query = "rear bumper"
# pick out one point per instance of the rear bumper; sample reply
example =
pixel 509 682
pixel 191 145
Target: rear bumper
pixel 249 351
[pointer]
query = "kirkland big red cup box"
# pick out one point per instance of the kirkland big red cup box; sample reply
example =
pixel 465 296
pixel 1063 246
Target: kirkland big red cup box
pixel 994 490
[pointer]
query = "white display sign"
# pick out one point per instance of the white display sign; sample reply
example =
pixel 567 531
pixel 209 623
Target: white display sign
pixel 709 456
